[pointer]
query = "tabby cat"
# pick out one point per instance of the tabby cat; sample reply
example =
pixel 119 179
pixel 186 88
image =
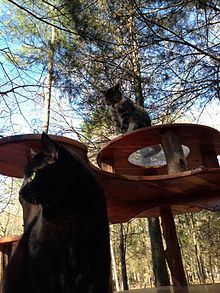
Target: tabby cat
pixel 126 115
pixel 65 249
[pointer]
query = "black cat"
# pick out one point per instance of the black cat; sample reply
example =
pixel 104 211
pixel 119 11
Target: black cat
pixel 126 115
pixel 65 249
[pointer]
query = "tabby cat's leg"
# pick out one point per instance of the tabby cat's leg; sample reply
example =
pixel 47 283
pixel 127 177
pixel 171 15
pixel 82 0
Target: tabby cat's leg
pixel 116 121
pixel 118 128
pixel 125 122
pixel 132 126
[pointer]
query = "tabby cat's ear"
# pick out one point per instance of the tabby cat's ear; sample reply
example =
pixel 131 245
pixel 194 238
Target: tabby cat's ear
pixel 49 146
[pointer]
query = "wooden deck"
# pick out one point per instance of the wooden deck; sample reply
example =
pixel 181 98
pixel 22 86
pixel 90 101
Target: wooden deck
pixel 211 288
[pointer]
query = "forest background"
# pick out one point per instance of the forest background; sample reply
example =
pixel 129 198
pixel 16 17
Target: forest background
pixel 55 58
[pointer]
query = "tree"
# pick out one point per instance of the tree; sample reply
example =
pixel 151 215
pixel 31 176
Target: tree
pixel 158 255
pixel 184 49
pixel 10 211
pixel 163 52
pixel 122 248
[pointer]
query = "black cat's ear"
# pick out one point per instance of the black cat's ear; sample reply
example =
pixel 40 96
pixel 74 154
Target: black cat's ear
pixel 117 86
pixel 49 146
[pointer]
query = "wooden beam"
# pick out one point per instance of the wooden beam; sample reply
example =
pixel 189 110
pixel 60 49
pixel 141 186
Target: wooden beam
pixel 8 239
pixel 173 254
pixel 173 151
pixel 176 162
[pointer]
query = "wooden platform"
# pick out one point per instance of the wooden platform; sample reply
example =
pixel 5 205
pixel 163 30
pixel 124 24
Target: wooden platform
pixel 130 196
pixel 202 141
pixel 212 288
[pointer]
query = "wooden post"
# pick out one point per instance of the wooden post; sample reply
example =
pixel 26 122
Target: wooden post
pixel 173 151
pixel 5 253
pixel 173 254
pixel 176 162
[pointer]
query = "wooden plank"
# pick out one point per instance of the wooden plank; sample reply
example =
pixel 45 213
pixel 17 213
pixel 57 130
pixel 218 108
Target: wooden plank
pixel 128 196
pixel 1 268
pixel 8 239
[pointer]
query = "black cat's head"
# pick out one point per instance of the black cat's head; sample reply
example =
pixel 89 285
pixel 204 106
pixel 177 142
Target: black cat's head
pixel 113 95
pixel 60 182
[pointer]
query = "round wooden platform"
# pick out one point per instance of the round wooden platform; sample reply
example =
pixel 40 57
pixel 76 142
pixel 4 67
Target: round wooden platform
pixel 15 151
pixel 202 142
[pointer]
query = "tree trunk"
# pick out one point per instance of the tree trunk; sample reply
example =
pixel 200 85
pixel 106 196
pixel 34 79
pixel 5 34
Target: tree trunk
pixel 158 255
pixel 49 82
pixel 201 270
pixel 30 210
pixel 123 259
pixel 114 269
pixel 135 58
